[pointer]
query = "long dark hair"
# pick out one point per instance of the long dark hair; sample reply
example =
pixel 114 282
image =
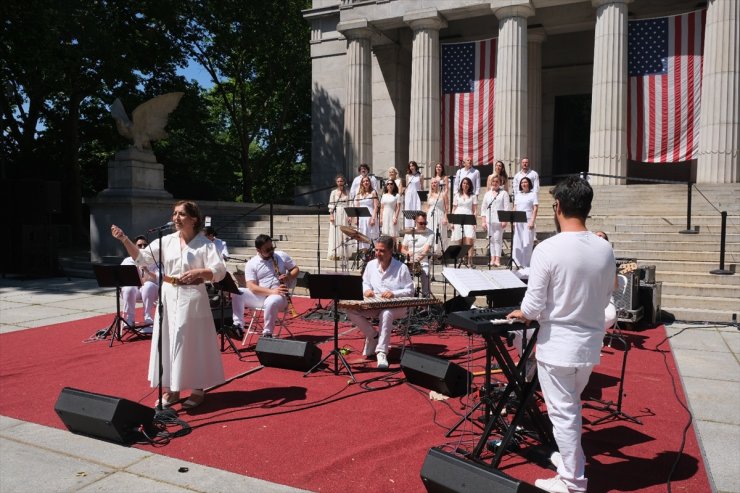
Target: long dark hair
pixel 470 186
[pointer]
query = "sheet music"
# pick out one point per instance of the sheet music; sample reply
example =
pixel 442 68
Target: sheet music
pixel 466 281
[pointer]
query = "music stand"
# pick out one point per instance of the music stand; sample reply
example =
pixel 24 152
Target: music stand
pixel 227 285
pixel 454 252
pixel 335 287
pixel 357 212
pixel 117 276
pixel 512 217
pixel 423 194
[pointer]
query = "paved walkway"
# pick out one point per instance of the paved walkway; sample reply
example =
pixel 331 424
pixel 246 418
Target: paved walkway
pixel 35 458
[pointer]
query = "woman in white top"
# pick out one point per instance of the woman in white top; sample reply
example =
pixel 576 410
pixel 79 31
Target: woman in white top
pixel 441 177
pixel 496 199
pixel 392 174
pixel 338 200
pixel 436 209
pixel 367 197
pixel 390 207
pixel 524 233
pixel 500 171
pixel 465 202
pixel 414 183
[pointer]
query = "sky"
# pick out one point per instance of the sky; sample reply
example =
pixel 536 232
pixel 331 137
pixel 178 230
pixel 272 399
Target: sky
pixel 195 71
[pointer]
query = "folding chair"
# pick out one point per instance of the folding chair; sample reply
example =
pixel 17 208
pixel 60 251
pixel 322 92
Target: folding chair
pixel 257 325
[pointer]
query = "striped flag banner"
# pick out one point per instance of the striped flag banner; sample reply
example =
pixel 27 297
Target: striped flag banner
pixel 664 97
pixel 468 71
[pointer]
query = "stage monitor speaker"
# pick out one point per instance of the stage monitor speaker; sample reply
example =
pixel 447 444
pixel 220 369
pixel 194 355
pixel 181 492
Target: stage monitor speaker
pixel 288 354
pixel 103 416
pixel 436 374
pixel 443 472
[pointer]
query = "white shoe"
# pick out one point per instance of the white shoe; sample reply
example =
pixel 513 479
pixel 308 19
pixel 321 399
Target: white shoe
pixel 382 361
pixel 553 485
pixel 556 459
pixel 370 344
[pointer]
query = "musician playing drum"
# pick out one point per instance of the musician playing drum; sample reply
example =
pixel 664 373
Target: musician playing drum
pixel 387 278
pixel 416 245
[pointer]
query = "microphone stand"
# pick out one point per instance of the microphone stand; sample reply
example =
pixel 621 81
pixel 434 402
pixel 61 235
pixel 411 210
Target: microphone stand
pixel 488 227
pixel 437 235
pixel 161 413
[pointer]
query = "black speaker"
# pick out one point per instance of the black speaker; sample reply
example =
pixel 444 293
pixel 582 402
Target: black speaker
pixel 435 374
pixel 443 472
pixel 103 416
pixel 286 353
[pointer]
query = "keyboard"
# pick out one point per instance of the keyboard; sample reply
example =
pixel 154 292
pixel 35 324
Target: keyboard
pixel 487 321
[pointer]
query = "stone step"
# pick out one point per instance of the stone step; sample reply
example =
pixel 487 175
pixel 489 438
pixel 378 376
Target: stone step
pixel 698 277
pixel 650 256
pixel 699 314
pixel 729 305
pixel 697 245
pixel 702 290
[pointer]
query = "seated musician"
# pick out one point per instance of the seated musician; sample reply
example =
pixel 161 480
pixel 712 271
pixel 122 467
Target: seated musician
pixel 384 278
pixel 221 247
pixel 269 276
pixel 417 247
pixel 147 292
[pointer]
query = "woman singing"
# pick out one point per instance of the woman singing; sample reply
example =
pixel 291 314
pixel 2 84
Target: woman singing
pixel 500 171
pixel 524 233
pixel 414 183
pixel 190 356
pixel 465 202
pixel 436 208
pixel 441 177
pixel 496 199
pixel 390 207
pixel 367 197
pixel 338 200
pixel 393 176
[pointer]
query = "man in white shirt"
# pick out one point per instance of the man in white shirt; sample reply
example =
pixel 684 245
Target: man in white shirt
pixel 147 292
pixel 384 278
pixel 570 280
pixel 221 248
pixel 529 173
pixel 269 276
pixel 468 171
pixel 417 247
pixel 364 170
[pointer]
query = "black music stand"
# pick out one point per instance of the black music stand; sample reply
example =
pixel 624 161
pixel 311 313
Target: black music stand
pixel 512 217
pixel 454 253
pixel 357 212
pixel 411 214
pixel 117 276
pixel 227 285
pixel 335 287
pixel 423 194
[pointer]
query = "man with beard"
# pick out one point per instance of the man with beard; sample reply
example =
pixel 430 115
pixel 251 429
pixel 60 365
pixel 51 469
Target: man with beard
pixel 570 280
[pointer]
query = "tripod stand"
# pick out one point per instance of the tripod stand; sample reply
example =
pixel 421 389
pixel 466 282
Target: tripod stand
pixel 117 276
pixel 512 217
pixel 335 287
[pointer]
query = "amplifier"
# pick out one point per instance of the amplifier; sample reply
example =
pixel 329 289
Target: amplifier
pixel 647 274
pixel 626 298
pixel 650 295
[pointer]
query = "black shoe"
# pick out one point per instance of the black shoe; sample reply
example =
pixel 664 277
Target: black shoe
pixel 268 336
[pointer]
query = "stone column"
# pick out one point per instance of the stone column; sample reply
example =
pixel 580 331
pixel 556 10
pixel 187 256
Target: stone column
pixel 608 145
pixel 718 160
pixel 358 144
pixel 510 99
pixel 424 123
pixel 535 37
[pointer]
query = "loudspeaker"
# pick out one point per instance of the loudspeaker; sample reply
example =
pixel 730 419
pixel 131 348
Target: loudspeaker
pixel 650 299
pixel 435 374
pixel 443 472
pixel 285 353
pixel 103 416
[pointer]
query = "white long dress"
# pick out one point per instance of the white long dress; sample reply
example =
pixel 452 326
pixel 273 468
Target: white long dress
pixel 435 213
pixel 523 236
pixel 337 203
pixel 371 231
pixel 388 203
pixel 464 205
pixel 489 212
pixel 190 355
pixel 411 199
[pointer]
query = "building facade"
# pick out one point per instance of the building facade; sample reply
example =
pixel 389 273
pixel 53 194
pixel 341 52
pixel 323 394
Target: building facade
pixel 560 92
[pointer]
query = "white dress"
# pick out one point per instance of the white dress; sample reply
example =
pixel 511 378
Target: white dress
pixel 191 359
pixel 523 236
pixel 388 203
pixel 464 205
pixel 435 213
pixel 489 212
pixel 411 200
pixel 337 204
pixel 372 232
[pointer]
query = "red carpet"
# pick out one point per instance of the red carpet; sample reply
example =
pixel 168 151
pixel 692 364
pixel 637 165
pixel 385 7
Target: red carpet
pixel 322 434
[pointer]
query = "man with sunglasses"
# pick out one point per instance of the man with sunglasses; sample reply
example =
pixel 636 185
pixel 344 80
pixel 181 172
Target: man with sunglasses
pixel 147 292
pixel 417 245
pixel 269 276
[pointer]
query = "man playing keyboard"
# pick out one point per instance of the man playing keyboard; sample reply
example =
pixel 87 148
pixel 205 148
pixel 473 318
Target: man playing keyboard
pixel 384 278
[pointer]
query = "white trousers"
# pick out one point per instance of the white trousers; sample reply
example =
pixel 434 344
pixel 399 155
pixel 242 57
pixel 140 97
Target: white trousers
pixel 386 317
pixel 271 306
pixel 561 388
pixel 147 293
pixel 496 234
pixel 523 244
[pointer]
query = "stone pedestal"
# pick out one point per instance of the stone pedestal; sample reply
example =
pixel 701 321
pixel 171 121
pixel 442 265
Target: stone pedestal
pixel 135 200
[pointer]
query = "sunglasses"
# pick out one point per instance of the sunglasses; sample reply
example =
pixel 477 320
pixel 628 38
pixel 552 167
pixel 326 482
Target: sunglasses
pixel 141 245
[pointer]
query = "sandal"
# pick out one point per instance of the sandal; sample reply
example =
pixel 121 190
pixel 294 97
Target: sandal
pixel 195 399
pixel 168 399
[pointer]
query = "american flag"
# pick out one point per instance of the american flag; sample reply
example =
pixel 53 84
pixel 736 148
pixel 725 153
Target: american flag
pixel 663 102
pixel 468 71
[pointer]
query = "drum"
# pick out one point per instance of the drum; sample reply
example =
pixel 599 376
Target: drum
pixel 368 255
pixel 414 268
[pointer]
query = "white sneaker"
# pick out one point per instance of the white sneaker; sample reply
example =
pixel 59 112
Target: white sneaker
pixel 382 361
pixel 370 344
pixel 556 459
pixel 553 485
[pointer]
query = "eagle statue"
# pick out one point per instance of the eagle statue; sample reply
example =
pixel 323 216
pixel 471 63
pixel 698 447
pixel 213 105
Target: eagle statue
pixel 149 119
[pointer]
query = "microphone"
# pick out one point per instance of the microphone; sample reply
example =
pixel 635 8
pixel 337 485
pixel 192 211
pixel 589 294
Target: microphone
pixel 161 228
